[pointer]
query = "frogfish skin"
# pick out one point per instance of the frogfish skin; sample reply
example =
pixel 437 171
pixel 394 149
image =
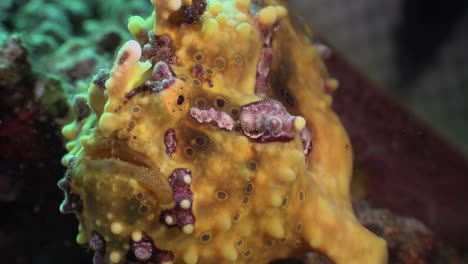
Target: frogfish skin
pixel 212 139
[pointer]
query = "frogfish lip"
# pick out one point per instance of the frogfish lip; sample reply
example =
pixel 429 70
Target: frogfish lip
pixel 117 160
pixel 111 174
pixel 117 173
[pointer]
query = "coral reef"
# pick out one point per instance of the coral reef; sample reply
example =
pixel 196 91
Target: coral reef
pixel 211 139
pixel 409 240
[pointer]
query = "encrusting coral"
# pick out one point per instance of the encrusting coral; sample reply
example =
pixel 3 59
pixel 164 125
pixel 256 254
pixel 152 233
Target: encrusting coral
pixel 212 140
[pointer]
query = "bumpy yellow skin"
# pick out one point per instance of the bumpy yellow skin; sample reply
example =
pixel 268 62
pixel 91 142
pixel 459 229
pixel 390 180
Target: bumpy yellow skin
pixel 298 202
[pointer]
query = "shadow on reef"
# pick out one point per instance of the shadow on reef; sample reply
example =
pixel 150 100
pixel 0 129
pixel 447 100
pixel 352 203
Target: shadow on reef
pixel 31 230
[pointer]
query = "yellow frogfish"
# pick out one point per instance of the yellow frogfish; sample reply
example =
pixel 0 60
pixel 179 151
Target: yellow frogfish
pixel 212 140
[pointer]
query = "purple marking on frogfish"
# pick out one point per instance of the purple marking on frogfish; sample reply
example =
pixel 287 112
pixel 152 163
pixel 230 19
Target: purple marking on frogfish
pixel 263 69
pixel 306 138
pixel 82 109
pixel 181 215
pixel 72 202
pixel 159 48
pixel 162 77
pixel 222 119
pixel 192 13
pixel 267 121
pixel 145 251
pixel 266 58
pixel 323 50
pixel 198 70
pixel 170 141
pixel 101 77
pixel 98 245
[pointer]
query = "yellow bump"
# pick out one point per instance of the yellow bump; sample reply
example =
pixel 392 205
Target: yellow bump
pixel 287 174
pixel 222 19
pixel 98 222
pixel 216 8
pixel 85 141
pixel 70 131
pixel 187 39
pixel 332 84
pixel 115 257
pixel 174 5
pixel 185 204
pixel 299 123
pixel 316 241
pixel 296 155
pixel 328 99
pixel 188 229
pixel 210 26
pixel 241 17
pixel 66 159
pixel 224 222
pixel 267 15
pixel 244 29
pixel 245 173
pixel 133 183
pixel 70 145
pixel 135 25
pixel 230 253
pixel 187 179
pixel 275 228
pixel 276 199
pixel 243 4
pixel 137 236
pixel 109 122
pixel 217 168
pixel 116 228
pixel 169 220
pixel 191 256
pixel 81 238
pixel 281 11
pixel 151 216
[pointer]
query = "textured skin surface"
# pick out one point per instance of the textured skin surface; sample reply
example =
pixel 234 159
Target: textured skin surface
pixel 212 140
